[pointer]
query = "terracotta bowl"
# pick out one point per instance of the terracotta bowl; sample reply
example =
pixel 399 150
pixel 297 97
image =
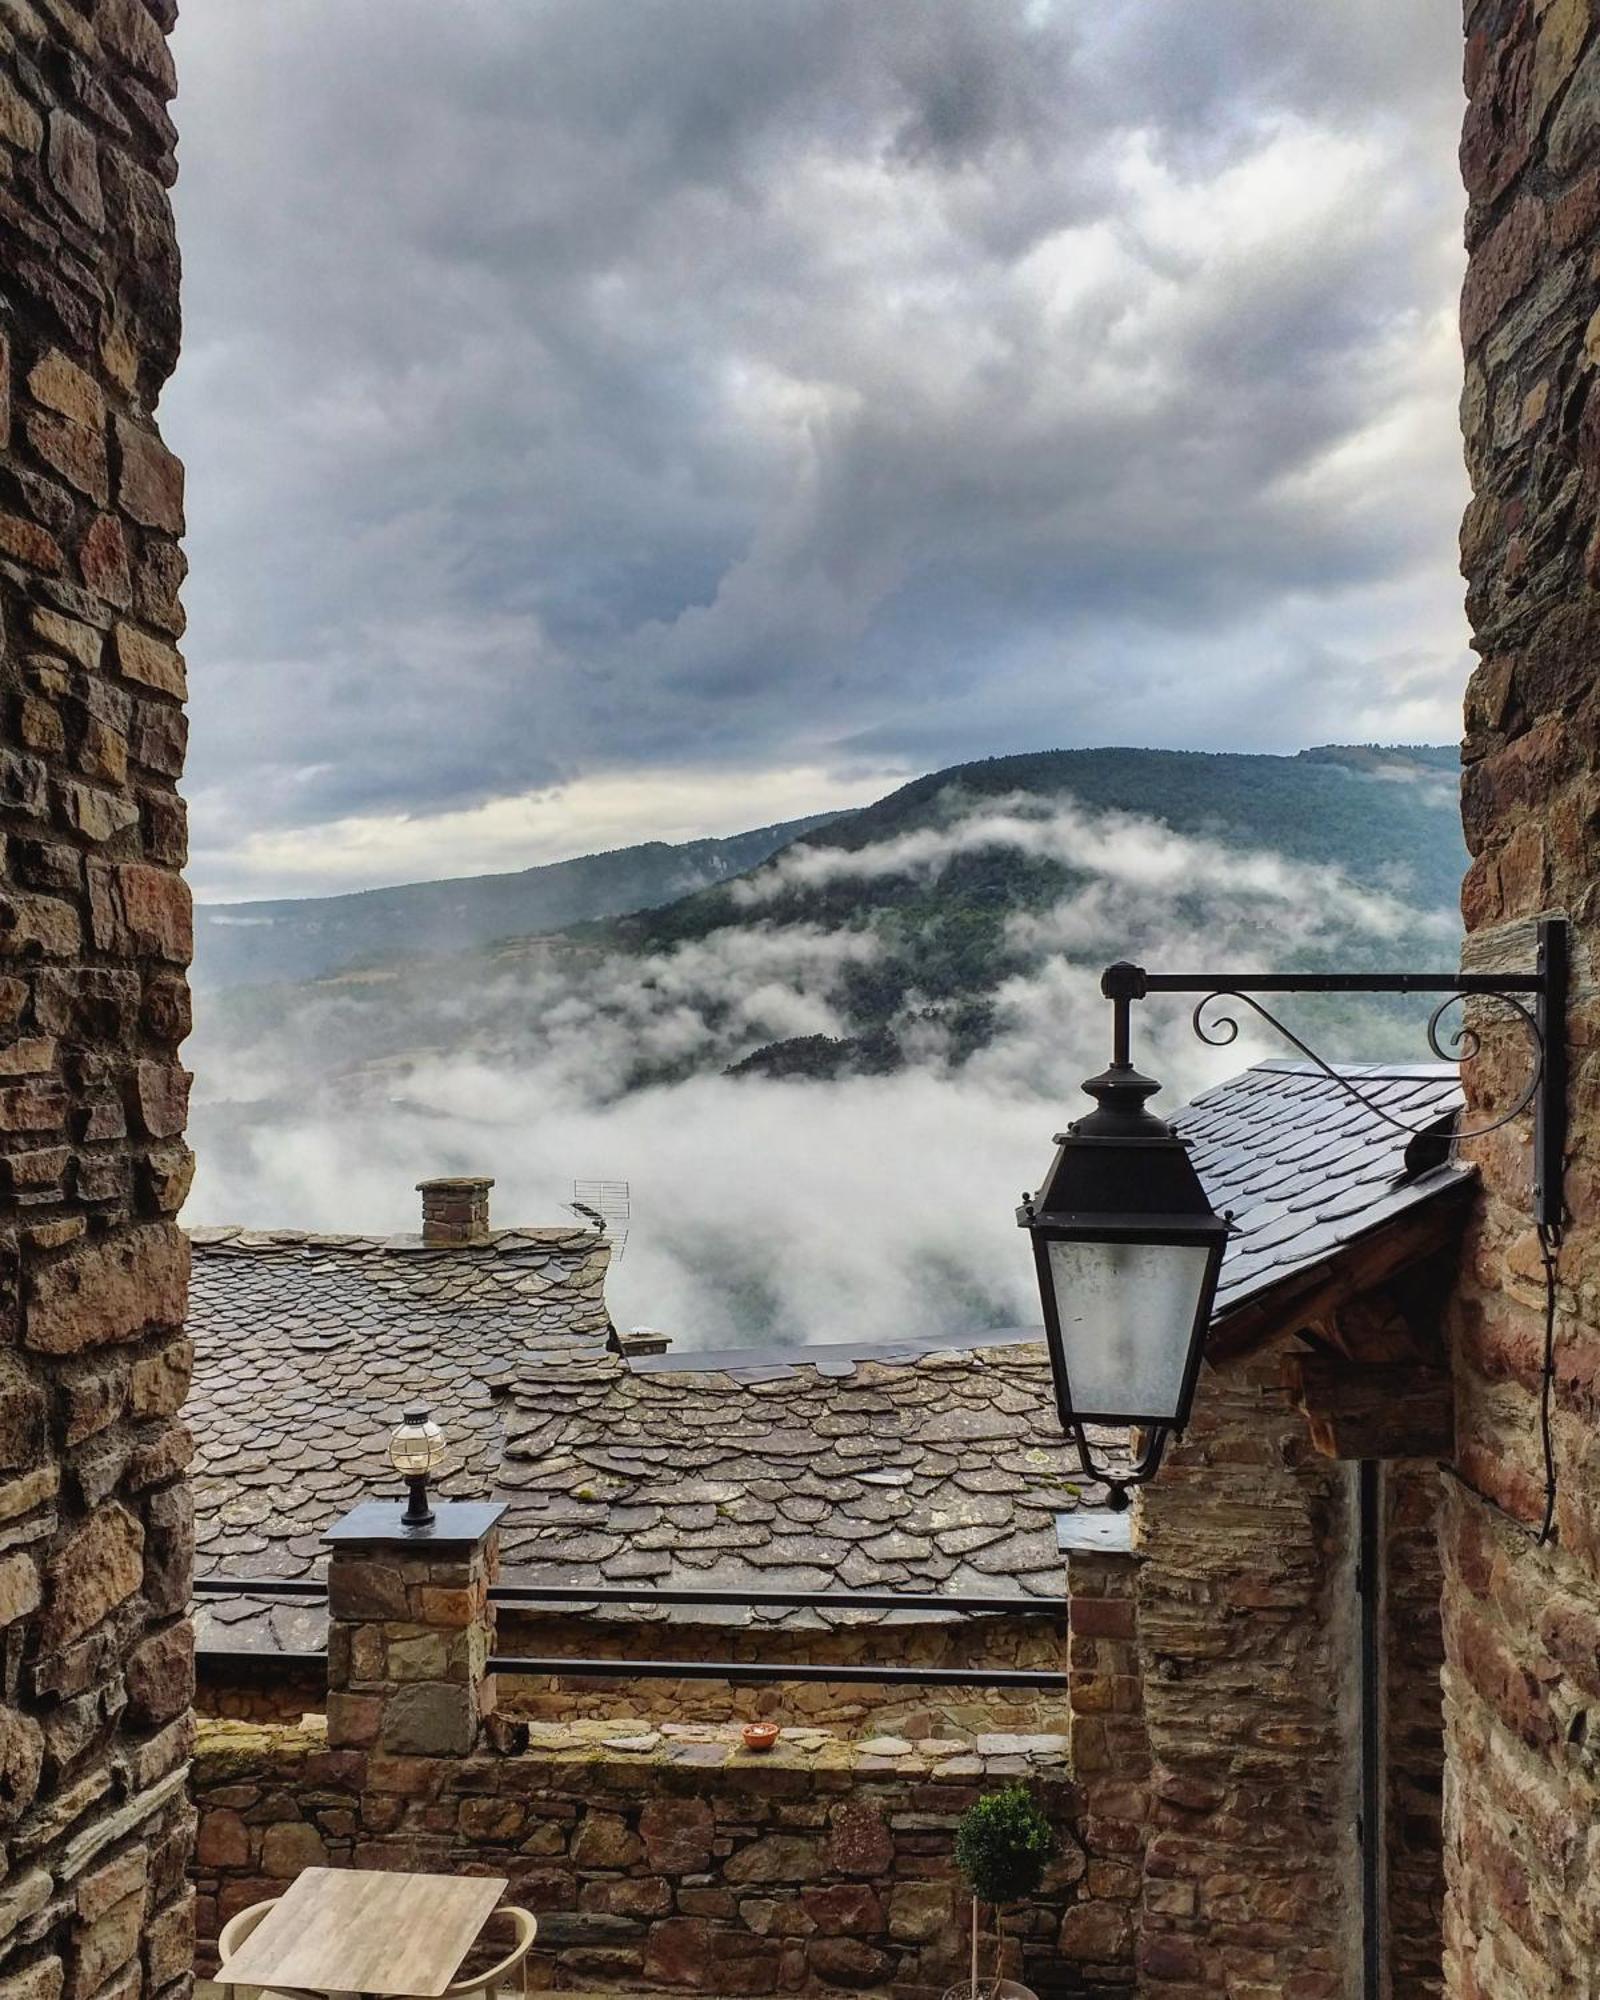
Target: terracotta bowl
pixel 760 1735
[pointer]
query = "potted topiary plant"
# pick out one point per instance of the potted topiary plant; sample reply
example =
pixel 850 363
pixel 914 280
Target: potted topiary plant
pixel 1003 1847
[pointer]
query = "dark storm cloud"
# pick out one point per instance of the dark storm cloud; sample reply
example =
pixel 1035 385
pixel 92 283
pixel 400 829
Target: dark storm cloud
pixel 661 384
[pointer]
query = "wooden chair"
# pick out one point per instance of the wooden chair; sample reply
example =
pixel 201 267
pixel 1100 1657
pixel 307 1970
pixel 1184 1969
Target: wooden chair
pixel 234 1932
pixel 491 1980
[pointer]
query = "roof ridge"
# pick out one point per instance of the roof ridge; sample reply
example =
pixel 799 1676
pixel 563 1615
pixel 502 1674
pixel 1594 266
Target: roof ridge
pixel 235 1236
pixel 1438 1071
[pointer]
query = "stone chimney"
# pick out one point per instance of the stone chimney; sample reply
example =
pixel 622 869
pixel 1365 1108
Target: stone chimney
pixel 638 1340
pixel 455 1210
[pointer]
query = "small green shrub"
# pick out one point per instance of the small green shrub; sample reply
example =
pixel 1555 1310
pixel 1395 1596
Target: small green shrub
pixel 1003 1846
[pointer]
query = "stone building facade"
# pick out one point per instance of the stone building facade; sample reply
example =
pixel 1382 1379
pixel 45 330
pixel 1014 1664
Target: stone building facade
pixel 658 1855
pixel 1522 1620
pixel 1261 1872
pixel 1211 1721
pixel 95 1520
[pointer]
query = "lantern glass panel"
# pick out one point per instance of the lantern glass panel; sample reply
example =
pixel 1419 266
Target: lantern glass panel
pixel 416 1447
pixel 1127 1315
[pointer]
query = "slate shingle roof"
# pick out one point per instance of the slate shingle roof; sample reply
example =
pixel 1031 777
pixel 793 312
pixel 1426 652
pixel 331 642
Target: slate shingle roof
pixel 1304 1169
pixel 854 1467
pixel 307 1346
pixel 934 1471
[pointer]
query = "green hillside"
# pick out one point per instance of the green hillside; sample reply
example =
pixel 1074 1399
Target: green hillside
pixel 1387 816
pixel 887 938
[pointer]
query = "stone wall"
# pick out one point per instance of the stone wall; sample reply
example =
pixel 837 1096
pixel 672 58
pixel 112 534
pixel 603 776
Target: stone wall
pixel 668 1858
pixel 267 1694
pixel 1036 1643
pixel 1413 1731
pixel 1522 1622
pixel 1247 1615
pixel 95 1531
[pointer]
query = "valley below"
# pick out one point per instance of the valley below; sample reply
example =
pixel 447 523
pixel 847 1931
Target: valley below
pixel 828 1066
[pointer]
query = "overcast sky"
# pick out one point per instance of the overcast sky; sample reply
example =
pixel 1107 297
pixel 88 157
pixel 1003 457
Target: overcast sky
pixel 610 419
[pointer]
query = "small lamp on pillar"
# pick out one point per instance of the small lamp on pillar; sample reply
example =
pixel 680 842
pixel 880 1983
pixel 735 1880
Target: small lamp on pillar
pixel 1127 1249
pixel 415 1450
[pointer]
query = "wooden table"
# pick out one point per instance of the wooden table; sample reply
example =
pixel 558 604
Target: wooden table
pixel 357 1930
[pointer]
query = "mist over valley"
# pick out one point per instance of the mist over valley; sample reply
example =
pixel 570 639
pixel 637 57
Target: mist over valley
pixel 827 1070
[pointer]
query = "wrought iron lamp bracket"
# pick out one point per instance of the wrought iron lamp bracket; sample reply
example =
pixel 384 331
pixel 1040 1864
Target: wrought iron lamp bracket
pixel 1537 1001
pixel 1119 1485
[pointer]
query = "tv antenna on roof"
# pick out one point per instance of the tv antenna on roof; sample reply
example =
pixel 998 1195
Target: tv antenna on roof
pixel 609 1206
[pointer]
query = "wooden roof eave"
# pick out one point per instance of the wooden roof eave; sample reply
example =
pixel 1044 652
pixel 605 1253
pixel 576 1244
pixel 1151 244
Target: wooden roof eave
pixel 1314 1294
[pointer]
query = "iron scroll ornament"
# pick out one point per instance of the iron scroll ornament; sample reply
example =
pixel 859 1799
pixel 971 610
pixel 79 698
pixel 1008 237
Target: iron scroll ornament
pixel 1222 1030
pixel 1537 998
pixel 1542 1018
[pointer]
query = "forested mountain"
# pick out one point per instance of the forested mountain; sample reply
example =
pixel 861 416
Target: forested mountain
pixel 933 898
pixel 1387 817
pixel 816 1073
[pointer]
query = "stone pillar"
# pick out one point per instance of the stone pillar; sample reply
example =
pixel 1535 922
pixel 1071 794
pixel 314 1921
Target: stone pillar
pixel 411 1628
pixel 1247 1621
pixel 455 1211
pixel 1110 1753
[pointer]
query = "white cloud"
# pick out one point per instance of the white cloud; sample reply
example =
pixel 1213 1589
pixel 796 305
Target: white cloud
pixel 865 1208
pixel 648 388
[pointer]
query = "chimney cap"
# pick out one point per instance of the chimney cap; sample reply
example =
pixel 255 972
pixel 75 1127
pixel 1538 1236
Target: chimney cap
pixel 455 1211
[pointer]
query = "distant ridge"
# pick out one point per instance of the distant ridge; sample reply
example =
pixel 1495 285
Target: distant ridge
pixel 1385 814
pixel 240 944
pixel 812 968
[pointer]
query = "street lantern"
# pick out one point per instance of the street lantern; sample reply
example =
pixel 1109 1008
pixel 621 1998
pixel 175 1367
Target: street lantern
pixel 415 1450
pixel 1127 1249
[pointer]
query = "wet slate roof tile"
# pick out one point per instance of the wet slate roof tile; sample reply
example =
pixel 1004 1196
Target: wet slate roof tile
pixel 893 1467
pixel 1318 1169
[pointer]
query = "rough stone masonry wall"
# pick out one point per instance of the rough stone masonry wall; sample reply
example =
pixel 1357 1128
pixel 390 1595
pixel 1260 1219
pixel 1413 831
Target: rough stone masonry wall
pixel 95 1529
pixel 1247 1613
pixel 1522 1623
pixel 668 1859
pixel 1413 1730
pixel 1034 1643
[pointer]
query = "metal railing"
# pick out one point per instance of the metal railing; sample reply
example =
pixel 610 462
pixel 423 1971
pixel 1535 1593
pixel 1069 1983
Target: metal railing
pixel 777 1670
pixel 1006 1605
pixel 1003 1604
pixel 312 1589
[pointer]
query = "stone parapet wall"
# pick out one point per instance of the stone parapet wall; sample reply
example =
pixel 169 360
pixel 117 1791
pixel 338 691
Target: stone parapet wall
pixel 1037 1644
pixel 672 1858
pixel 268 1694
pixel 95 1523
pixel 1522 1622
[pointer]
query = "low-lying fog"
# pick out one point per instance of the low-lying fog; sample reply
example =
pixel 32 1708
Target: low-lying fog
pixel 873 1206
